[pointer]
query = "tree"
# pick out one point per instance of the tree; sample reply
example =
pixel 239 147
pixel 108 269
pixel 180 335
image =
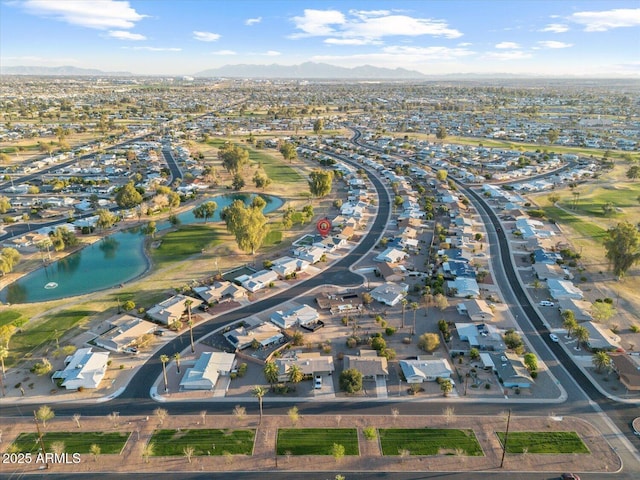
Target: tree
pixel 474 353
pixel 162 414
pixel 441 302
pixel 602 311
pixel 414 306
pixel 4 353
pixel 569 321
pixel 295 374
pixel 44 414
pixel 106 219
pixel 622 246
pixel 128 196
pixel 351 380
pixel 441 132
pixel 441 175
pixel 294 414
pixel 188 304
pixel 271 372
pixel 76 418
pixel 428 342
pixel 164 359
pixel 318 126
pixel 602 361
pixel 446 386
pixel 633 173
pixel 5 204
pixel 552 136
pixel 261 180
pixel 404 302
pixel 205 210
pixel 176 357
pixel 238 182
pixel 531 362
pixel 288 151
pixel 247 223
pixel 233 157
pixel 582 335
pixel 337 451
pixel 9 258
pixel 57 447
pixel 188 452
pixel 608 208
pixel 320 182
pixel 95 451
pixel 147 451
pixel 259 392
pixel 129 305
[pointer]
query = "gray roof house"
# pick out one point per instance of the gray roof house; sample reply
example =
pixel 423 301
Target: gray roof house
pixel 300 315
pixel 172 309
pixel 511 370
pixel 208 368
pixel 425 369
pixel 390 293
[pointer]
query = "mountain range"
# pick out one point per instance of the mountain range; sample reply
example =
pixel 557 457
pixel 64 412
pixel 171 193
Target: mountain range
pixel 66 70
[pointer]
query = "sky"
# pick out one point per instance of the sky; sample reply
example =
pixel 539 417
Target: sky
pixel 182 37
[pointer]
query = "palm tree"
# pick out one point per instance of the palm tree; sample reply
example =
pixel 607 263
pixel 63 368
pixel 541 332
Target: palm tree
pixel 414 306
pixel 164 359
pixel 446 386
pixel 95 450
pixel 4 353
pixel 602 361
pixel 271 372
pixel 404 302
pixel 176 357
pixel 569 322
pixel 582 334
pixel 295 374
pixel 259 392
pixel 190 323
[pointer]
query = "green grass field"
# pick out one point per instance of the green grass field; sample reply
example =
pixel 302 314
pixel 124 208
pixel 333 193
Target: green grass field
pixel 74 442
pixel 316 441
pixel 274 237
pixel 188 240
pixel 9 316
pixel 544 442
pixel 204 442
pixel 428 441
pixel 584 228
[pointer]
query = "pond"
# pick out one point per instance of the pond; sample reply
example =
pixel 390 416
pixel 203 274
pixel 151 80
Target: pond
pixel 114 260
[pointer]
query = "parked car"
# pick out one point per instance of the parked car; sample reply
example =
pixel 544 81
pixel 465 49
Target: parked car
pixel 132 350
pixel 569 476
pixel 318 382
pixel 546 303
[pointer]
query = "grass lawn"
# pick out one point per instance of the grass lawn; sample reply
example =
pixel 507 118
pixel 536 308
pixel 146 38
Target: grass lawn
pixel 273 238
pixel 583 227
pixel 186 241
pixel 204 441
pixel 316 441
pixel 74 442
pixel 428 441
pixel 9 316
pixel 544 442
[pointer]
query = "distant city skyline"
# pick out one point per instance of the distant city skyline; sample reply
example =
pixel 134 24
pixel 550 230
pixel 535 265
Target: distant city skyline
pixel 548 38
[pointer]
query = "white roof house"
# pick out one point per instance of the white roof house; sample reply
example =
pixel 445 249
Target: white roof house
pixel 563 289
pixel 300 315
pixel 204 374
pixel 425 370
pixel 220 291
pixel 125 331
pixel 309 254
pixel 391 255
pixel 311 363
pixel 84 369
pixel 172 309
pixel 477 310
pixel 286 266
pixel 265 334
pixel 258 280
pixel 390 293
pixel 464 287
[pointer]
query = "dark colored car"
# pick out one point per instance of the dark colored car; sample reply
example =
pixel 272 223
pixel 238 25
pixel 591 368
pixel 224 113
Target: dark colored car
pixel 569 476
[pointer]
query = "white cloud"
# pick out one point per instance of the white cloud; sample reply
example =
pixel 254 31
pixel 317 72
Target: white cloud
pixel 607 19
pixel 124 35
pixel 157 49
pixel 206 36
pixel 555 28
pixel 100 15
pixel 508 45
pixel 252 21
pixel 429 53
pixel 367 27
pixel 507 56
pixel 224 52
pixel 465 44
pixel 554 44
pixel 272 53
pixel 351 41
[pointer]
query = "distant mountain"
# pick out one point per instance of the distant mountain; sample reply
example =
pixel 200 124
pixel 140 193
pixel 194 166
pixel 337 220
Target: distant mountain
pixel 66 70
pixel 311 70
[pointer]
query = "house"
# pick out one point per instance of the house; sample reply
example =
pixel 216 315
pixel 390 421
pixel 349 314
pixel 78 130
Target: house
pixel 172 309
pixel 84 369
pixel 311 364
pixel 563 290
pixel 601 338
pixel 477 310
pixel 220 291
pixel 545 271
pixel 425 369
pixel 481 336
pixel 511 370
pixel 391 255
pixel 258 280
pixel 286 266
pixel 339 303
pixel 581 309
pixel 310 254
pixel 300 315
pixel 390 293
pixel 265 334
pixel 368 363
pixel 124 331
pixel 463 287
pixel 208 368
pixel 391 272
pixel 628 369
pixel 548 258
pixel 456 268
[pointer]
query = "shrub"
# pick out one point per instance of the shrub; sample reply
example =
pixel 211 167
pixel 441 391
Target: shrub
pixel 351 380
pixel 428 342
pixel 389 331
pixel 370 433
pixel 635 328
pixel 352 342
pixel 242 369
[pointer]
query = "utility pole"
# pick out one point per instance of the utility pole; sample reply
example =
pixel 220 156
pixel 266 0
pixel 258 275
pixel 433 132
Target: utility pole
pixel 35 418
pixel 506 436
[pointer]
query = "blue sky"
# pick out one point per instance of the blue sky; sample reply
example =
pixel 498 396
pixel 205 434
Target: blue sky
pixel 181 37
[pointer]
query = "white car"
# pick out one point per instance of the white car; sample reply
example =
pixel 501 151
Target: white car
pixel 554 337
pixel 318 382
pixel 546 303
